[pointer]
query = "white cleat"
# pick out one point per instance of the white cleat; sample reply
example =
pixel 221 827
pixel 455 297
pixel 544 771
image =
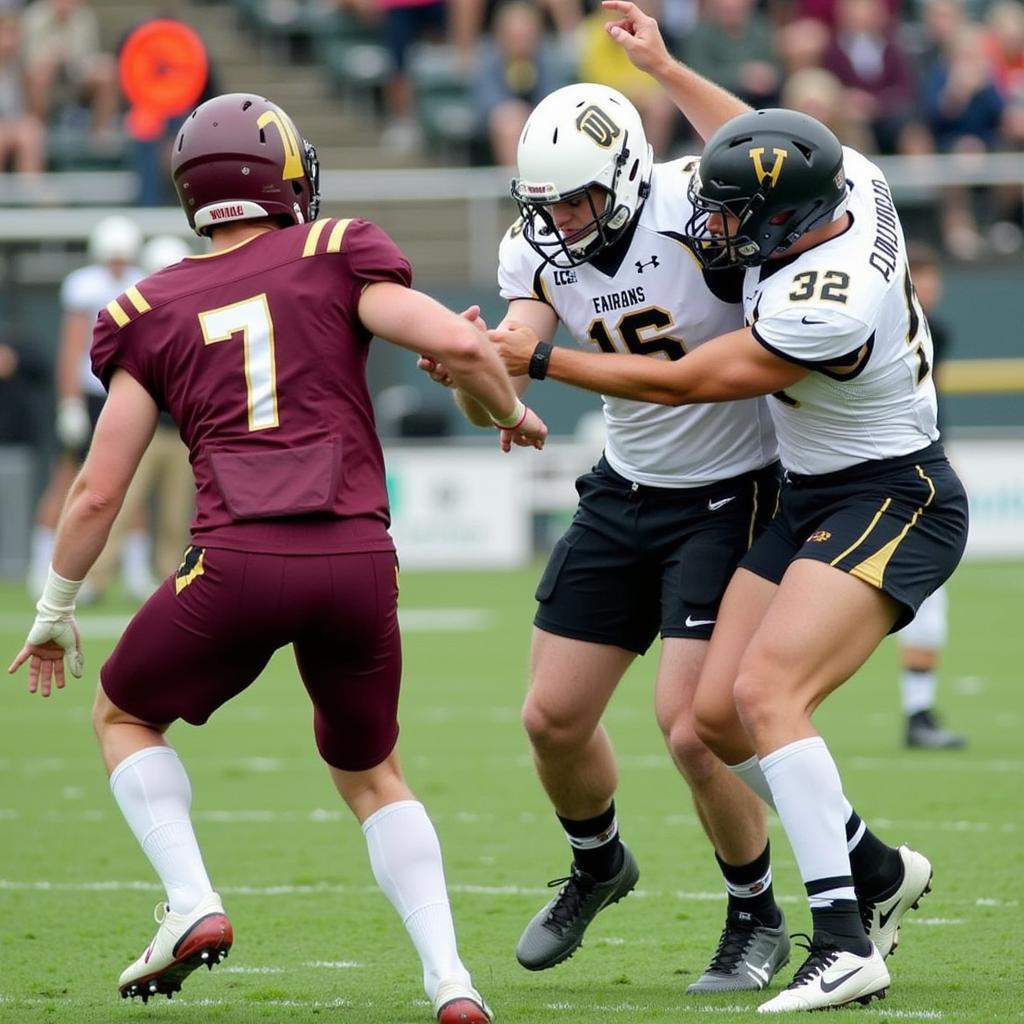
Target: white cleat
pixel 456 1003
pixel 182 943
pixel 830 978
pixel 882 917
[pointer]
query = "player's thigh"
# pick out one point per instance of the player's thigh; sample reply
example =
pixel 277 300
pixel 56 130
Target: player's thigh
pixel 746 601
pixel 350 660
pixel 676 682
pixel 571 682
pixel 821 625
pixel 201 638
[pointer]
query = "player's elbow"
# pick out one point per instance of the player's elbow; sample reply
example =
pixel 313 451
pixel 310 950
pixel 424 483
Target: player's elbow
pixel 94 502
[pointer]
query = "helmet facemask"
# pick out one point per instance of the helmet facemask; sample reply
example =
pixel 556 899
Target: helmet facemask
pixel 312 164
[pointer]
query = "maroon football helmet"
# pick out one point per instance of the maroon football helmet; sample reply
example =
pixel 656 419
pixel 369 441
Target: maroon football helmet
pixel 239 156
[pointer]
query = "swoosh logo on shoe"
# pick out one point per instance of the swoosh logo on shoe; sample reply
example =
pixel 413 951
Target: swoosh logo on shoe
pixel 831 986
pixel 149 953
pixel 757 974
pixel 691 622
pixel 883 919
pixel 715 505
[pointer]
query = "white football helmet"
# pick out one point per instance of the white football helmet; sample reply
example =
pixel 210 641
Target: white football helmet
pixel 575 138
pixel 115 238
pixel 162 251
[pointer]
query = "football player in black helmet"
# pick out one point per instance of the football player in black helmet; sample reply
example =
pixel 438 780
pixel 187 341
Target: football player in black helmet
pixel 745 209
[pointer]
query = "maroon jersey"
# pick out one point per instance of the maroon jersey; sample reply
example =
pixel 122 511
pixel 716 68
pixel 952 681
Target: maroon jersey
pixel 258 354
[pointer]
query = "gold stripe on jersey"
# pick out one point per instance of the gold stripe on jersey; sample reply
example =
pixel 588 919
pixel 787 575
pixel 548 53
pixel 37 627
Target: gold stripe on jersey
pixel 135 297
pixel 337 234
pixel 313 237
pixel 119 316
pixel 864 536
pixel 872 569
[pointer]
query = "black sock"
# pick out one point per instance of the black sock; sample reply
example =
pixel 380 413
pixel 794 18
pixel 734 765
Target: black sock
pixel 877 868
pixel 760 904
pixel 840 925
pixel 600 851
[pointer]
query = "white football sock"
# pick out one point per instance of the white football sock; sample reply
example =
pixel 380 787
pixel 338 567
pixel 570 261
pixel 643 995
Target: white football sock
pixel 749 771
pixel 918 690
pixel 809 799
pixel 136 557
pixel 40 556
pixel 406 859
pixel 155 797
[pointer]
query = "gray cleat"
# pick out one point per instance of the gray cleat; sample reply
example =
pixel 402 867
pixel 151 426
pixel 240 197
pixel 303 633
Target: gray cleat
pixel 556 932
pixel 749 955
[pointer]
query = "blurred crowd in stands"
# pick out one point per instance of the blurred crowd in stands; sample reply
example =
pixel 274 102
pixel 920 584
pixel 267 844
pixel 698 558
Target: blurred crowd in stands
pixel 456 79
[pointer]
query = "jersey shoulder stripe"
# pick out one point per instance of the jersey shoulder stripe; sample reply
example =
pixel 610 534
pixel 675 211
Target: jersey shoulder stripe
pixel 128 306
pixel 332 229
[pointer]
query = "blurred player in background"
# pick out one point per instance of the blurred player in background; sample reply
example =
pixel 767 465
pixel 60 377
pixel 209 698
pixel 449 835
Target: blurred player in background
pixel 921 642
pixel 258 350
pixel 671 506
pixel 114 245
pixel 164 477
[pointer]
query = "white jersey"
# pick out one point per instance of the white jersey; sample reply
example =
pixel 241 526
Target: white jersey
pixel 88 290
pixel 657 302
pixel 847 309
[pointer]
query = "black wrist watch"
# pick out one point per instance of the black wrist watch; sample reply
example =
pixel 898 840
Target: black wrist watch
pixel 539 360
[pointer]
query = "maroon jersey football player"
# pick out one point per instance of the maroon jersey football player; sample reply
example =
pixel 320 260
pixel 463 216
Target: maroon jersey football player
pixel 258 350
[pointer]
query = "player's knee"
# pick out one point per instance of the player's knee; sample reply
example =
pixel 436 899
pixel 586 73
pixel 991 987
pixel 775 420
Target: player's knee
pixel 548 731
pixel 757 700
pixel 690 752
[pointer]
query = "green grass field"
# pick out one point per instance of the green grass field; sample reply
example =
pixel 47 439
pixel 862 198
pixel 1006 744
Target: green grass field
pixel 315 940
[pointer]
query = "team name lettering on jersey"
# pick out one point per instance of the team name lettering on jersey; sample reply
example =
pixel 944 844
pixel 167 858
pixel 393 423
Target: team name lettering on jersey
pixel 886 246
pixel 618 300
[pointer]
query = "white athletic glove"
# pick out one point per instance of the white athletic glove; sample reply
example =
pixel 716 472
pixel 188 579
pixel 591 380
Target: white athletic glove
pixel 54 624
pixel 73 423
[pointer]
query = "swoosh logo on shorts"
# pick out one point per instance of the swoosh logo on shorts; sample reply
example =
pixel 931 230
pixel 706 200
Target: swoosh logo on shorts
pixel 831 986
pixel 715 505
pixel 691 622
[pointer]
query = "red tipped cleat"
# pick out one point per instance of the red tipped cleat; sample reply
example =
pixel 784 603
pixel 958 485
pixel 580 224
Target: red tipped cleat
pixel 456 1003
pixel 182 943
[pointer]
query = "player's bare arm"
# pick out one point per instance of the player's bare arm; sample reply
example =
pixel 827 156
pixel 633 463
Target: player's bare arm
pixel 415 321
pixel 730 367
pixel 705 105
pixel 72 416
pixel 124 430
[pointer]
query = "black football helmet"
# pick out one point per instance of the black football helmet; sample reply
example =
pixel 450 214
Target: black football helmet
pixel 779 172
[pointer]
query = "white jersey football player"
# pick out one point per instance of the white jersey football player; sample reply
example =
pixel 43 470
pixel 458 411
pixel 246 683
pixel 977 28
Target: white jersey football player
pixel 663 518
pixel 872 517
pixel 113 249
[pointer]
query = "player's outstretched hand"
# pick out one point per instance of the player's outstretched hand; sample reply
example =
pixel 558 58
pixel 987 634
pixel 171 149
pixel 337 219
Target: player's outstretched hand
pixel 515 343
pixel 50 641
pixel 638 34
pixel 531 433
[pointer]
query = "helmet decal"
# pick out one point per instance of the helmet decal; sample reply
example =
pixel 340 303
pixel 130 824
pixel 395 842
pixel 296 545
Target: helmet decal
pixel 593 121
pixel 292 158
pixel 757 152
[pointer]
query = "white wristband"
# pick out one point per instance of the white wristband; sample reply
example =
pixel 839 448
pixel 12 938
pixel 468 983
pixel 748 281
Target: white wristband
pixel 513 419
pixel 59 594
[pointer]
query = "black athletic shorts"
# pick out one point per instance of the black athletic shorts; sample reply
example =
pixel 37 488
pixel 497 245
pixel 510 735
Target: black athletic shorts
pixel 899 524
pixel 637 560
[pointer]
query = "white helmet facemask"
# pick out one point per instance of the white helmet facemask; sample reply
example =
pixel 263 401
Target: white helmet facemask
pixel 581 141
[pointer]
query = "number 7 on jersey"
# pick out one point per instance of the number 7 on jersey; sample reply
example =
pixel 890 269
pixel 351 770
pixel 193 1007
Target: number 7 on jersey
pixel 251 318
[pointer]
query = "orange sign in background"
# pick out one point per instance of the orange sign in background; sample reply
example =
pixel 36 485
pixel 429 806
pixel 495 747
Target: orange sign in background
pixel 163 68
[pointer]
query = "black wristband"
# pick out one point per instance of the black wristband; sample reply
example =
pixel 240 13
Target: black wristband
pixel 539 360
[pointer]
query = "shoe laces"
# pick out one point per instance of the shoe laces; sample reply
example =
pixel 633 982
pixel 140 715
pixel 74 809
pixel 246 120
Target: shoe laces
pixel 576 888
pixel 820 956
pixel 737 935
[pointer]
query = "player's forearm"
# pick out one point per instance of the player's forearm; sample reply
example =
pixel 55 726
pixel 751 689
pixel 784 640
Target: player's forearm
pixel 705 105
pixel 475 412
pixel 478 373
pixel 622 376
pixel 82 532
